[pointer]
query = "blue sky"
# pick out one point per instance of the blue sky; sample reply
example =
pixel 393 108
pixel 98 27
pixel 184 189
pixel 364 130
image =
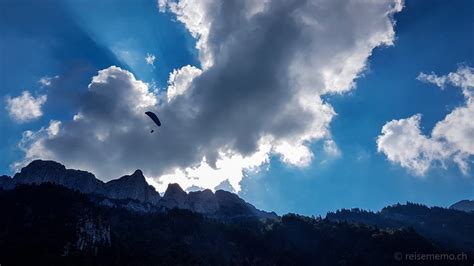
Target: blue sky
pixel 76 39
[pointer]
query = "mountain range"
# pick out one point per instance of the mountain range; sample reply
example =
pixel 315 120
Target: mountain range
pixel 133 191
pixel 60 216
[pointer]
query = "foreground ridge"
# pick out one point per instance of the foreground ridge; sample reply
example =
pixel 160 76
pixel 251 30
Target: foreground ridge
pixel 49 224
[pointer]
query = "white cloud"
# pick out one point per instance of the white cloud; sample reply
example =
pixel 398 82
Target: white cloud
pixel 432 78
pixel 294 154
pixel 180 80
pixel 162 5
pixel 265 66
pixel 150 59
pixel 131 92
pixel 451 139
pixel 330 148
pixel 25 108
pixel 46 80
pixel 462 78
pixel 403 143
pixel 197 19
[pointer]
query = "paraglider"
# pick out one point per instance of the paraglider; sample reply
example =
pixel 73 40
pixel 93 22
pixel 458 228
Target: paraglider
pixel 154 118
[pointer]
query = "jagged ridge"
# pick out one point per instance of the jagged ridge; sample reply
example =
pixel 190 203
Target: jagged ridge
pixel 135 187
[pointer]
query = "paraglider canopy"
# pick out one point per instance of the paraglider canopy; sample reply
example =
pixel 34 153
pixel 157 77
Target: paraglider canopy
pixel 154 118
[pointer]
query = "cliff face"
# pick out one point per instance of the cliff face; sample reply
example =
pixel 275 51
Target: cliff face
pixel 132 187
pixel 175 197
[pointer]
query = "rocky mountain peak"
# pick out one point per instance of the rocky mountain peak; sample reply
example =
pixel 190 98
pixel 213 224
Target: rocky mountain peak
pixel 40 171
pixel 226 195
pixel 203 201
pixel 132 186
pixel 173 190
pixel 137 178
pixel 139 174
pixel 43 165
pixel 174 197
